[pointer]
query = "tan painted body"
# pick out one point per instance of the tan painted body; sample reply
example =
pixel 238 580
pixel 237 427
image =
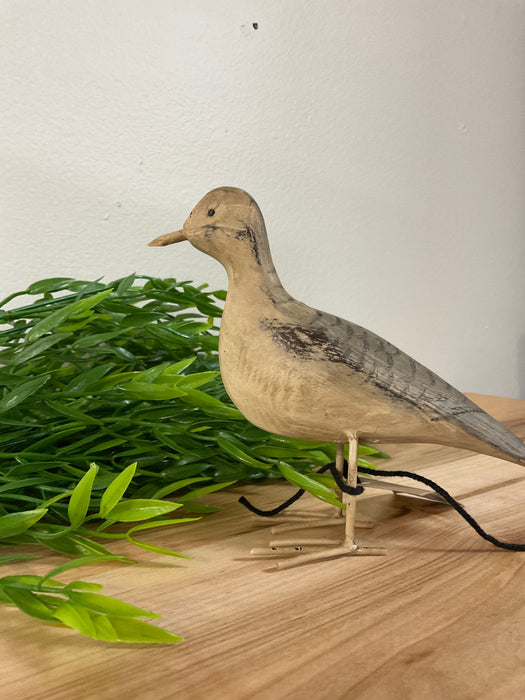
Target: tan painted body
pixel 313 399
pixel 298 398
pixel 299 372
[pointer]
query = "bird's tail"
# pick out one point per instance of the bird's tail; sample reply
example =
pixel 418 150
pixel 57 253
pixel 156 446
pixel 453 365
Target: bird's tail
pixel 503 443
pixel 489 436
pixel 514 453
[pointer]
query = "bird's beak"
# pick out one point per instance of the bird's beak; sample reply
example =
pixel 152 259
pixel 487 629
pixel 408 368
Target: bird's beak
pixel 168 238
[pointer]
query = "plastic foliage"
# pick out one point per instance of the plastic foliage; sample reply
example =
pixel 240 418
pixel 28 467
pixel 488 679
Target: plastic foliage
pixel 110 401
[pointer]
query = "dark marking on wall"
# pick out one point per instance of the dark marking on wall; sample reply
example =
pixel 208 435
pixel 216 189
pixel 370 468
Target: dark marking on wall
pixel 255 25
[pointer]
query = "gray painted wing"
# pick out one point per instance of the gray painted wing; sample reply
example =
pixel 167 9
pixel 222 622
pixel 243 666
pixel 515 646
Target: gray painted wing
pixel 312 333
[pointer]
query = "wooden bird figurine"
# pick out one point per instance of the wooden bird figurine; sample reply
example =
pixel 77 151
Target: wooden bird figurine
pixel 303 373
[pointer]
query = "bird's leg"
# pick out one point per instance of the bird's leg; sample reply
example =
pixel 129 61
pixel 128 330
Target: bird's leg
pixel 340 466
pixel 301 519
pixel 348 499
pixel 328 547
pixel 349 545
pixel 294 544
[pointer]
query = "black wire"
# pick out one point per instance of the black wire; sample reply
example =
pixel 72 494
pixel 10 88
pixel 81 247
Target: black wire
pixel 382 472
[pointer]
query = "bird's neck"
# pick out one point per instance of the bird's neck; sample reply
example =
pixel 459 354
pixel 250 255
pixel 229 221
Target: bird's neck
pixel 255 281
pixel 252 277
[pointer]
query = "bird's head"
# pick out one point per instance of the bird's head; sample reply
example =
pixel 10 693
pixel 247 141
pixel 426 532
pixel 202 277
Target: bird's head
pixel 226 224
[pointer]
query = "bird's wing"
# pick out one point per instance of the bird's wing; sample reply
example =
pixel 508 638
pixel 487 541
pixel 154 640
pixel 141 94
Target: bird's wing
pixel 317 335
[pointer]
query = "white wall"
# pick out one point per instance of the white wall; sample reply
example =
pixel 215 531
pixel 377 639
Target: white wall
pixel 385 143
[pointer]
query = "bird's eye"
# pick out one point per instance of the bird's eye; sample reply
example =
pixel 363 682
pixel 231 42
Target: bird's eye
pixel 211 212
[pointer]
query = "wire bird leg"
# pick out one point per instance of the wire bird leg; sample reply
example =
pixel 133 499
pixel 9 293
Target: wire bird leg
pixel 326 547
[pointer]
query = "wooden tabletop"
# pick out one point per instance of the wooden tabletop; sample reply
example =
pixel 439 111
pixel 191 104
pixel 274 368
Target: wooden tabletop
pixel 442 615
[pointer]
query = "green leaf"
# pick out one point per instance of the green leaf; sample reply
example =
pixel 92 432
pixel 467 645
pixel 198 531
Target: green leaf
pixel 81 561
pixel 125 283
pixel 83 546
pixel 153 392
pixel 372 451
pixel 135 509
pixel 149 375
pixel 308 484
pixel 89 341
pixel 66 409
pixel 27 581
pixel 191 328
pixel 295 443
pixel 288 453
pixel 138 631
pixel 179 367
pixel 211 405
pixel 15 523
pixel 81 497
pixel 159 523
pixel 80 383
pixel 49 323
pixel 83 586
pixel 104 630
pixel 28 602
pixel 116 489
pixel 188 381
pixel 53 284
pixel 28 352
pixel 204 491
pixel 106 445
pixel 233 448
pixel 111 628
pixel 136 319
pixel 73 327
pixel 365 463
pixel 177 485
pixel 71 544
pixel 22 392
pixel 106 604
pixel 76 617
pixel 158 550
pixel 196 507
pixel 377 454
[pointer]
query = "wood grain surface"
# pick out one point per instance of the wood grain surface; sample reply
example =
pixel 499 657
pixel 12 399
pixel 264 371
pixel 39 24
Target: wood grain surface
pixel 441 616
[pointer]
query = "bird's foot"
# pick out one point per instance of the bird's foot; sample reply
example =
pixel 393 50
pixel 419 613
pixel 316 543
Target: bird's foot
pixel 325 549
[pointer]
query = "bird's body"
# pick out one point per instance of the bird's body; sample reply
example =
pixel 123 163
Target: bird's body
pixel 299 372
pixel 303 373
pixel 291 357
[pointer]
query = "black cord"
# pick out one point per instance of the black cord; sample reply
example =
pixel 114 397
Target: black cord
pixel 297 495
pixel 343 486
pixel 274 511
pixel 382 472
